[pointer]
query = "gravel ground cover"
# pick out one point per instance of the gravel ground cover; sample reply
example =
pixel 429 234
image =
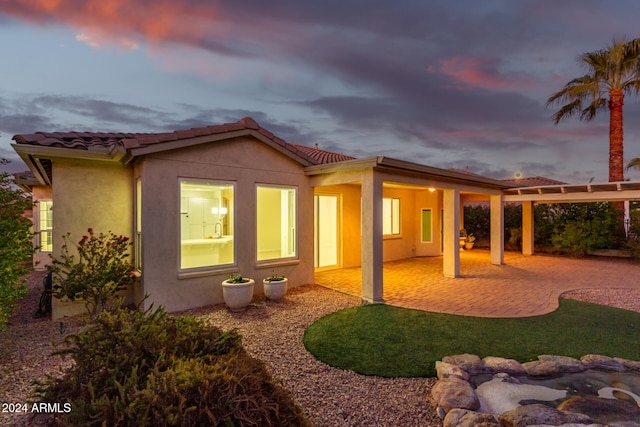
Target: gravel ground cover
pixel 273 333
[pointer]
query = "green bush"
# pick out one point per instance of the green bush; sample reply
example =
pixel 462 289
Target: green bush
pixel 16 245
pixel 100 271
pixel 154 369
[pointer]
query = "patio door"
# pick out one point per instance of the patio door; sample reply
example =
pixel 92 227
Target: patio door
pixel 326 231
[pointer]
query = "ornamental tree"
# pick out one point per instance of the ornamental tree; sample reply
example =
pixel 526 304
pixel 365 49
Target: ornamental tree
pixel 16 244
pixel 96 274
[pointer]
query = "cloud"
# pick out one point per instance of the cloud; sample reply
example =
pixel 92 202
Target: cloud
pixel 481 73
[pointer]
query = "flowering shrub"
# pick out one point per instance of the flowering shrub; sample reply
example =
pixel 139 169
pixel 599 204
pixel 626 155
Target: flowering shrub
pixel 99 271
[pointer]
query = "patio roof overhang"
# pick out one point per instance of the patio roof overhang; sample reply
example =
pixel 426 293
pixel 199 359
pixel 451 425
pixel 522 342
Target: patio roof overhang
pixel 570 193
pixel 412 173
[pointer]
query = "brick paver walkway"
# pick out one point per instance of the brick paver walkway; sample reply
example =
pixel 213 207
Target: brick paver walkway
pixel 524 286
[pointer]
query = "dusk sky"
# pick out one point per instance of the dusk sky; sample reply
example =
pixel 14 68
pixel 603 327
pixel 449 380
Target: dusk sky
pixel 450 84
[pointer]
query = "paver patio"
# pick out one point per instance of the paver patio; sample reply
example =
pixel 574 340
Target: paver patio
pixel 524 286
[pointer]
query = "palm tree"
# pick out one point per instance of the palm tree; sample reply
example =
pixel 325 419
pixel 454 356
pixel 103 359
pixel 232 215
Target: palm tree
pixel 611 73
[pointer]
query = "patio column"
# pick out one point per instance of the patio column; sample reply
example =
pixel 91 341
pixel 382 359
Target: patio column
pixel 497 229
pixel 371 237
pixel 527 228
pixel 451 233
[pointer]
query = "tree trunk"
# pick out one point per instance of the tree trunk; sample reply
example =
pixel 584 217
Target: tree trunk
pixel 616 150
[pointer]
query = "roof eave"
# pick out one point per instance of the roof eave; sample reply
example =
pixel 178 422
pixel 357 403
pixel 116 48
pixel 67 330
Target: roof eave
pixel 189 142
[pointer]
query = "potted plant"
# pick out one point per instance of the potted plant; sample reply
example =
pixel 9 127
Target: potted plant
pixel 237 292
pixel 468 245
pixel 463 237
pixel 275 286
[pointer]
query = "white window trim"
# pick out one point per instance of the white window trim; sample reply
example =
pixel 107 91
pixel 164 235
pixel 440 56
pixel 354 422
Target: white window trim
pixel 283 260
pixel 208 270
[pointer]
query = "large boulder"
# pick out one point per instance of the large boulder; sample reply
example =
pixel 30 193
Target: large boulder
pixel 598 361
pixel 469 362
pixel 542 368
pixel 602 410
pixel 449 393
pixel 500 364
pixel 466 418
pixel 446 370
pixel 566 364
pixel 540 414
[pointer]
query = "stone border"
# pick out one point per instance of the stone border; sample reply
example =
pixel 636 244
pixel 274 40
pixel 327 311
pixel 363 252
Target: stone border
pixel 457 402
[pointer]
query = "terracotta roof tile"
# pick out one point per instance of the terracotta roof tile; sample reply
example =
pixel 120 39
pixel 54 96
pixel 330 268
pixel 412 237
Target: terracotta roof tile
pixel 534 181
pixel 92 140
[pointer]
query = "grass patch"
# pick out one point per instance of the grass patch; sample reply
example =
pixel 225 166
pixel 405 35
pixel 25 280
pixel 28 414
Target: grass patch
pixel 397 342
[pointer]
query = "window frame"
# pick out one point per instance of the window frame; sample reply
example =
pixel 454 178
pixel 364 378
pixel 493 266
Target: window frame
pixel 296 219
pixel 48 230
pixel 394 232
pixel 186 272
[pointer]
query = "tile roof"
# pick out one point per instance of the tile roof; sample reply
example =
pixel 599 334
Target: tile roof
pixel 322 156
pixel 96 140
pixel 534 181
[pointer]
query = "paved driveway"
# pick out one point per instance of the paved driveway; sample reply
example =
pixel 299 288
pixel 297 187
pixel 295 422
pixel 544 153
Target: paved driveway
pixel 524 286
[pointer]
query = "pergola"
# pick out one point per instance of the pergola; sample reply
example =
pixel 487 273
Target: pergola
pixel 565 193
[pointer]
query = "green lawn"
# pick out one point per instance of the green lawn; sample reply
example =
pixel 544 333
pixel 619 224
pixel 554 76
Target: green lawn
pixel 397 342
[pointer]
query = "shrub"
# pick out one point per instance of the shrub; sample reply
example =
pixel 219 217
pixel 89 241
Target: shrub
pixel 153 369
pixel 16 245
pixel 101 270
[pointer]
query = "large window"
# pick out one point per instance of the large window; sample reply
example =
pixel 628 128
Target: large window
pixel 206 224
pixel 276 222
pixel 138 238
pixel 390 216
pixel 45 225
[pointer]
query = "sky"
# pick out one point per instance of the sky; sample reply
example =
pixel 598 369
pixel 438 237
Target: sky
pixel 451 84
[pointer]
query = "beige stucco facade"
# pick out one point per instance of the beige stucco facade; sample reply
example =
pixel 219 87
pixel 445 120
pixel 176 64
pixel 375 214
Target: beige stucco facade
pixel 245 163
pixel 134 188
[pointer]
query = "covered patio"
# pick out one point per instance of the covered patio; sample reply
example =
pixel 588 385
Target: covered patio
pixel 523 286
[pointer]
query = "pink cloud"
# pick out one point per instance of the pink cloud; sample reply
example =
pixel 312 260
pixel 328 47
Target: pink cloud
pixel 482 73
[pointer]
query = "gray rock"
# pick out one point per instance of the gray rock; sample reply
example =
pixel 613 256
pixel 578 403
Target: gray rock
pixel 542 368
pixel 450 393
pixel 469 362
pixel 466 418
pixel 446 370
pixel 540 414
pixel 631 365
pixel 602 410
pixel 566 364
pixel 499 364
pixel 597 361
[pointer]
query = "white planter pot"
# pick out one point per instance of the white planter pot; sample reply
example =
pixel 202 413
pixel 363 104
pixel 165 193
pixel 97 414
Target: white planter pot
pixel 468 246
pixel 275 290
pixel 238 296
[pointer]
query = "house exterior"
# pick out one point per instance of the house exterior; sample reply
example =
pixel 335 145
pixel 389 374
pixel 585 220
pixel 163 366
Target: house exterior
pixel 204 203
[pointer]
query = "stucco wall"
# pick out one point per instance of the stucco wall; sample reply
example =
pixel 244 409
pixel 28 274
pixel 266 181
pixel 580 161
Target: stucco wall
pixel 89 194
pixel 244 162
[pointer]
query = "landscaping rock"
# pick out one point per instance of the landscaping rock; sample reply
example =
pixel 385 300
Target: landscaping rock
pixel 466 418
pixel 602 410
pixel 540 414
pixel 631 365
pixel 450 393
pixel 597 361
pixel 469 362
pixel 446 370
pixel 566 364
pixel 499 364
pixel 542 368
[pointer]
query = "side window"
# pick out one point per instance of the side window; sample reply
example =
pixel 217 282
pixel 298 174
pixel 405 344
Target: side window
pixel 45 225
pixel 276 222
pixel 390 216
pixel 206 224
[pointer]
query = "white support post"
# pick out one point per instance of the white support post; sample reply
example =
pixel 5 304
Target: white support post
pixel 497 230
pixel 372 237
pixel 527 228
pixel 451 230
